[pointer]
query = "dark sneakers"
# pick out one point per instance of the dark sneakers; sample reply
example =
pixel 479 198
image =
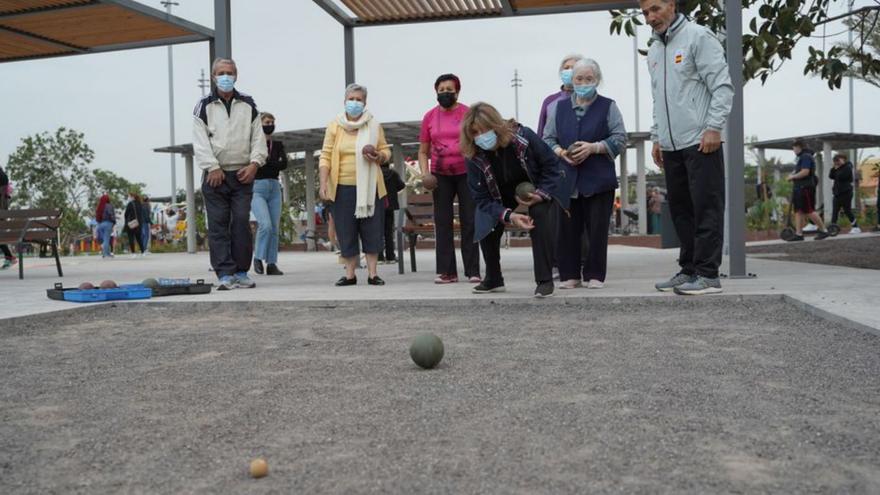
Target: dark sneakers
pixel 795 238
pixel 272 269
pixel 544 289
pixel 258 266
pixel 485 287
pixel 375 281
pixel 822 234
pixel 342 282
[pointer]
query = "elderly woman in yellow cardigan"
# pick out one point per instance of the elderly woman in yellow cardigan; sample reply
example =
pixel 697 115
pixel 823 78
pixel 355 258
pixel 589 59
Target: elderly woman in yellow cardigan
pixel 354 148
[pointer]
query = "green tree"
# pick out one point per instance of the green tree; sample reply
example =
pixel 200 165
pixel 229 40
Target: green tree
pixel 866 36
pixel 52 171
pixel 117 187
pixel 773 34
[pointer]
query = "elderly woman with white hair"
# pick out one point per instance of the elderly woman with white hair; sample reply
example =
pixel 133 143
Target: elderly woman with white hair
pixel 354 149
pixel 586 131
pixel 565 90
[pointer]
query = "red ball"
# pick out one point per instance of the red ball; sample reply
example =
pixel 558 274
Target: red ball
pixel 86 286
pixel 108 284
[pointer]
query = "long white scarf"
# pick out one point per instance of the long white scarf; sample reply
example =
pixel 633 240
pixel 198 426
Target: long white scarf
pixel 367 172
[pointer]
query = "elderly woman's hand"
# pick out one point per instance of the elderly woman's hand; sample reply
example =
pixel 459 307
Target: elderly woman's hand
pixel 371 154
pixel 583 151
pixel 533 200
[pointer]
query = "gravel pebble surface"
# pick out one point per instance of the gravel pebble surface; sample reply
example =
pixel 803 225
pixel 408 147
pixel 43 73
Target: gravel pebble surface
pixel 642 395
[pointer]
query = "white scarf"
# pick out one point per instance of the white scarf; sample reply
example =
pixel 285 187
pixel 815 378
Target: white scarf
pixel 366 172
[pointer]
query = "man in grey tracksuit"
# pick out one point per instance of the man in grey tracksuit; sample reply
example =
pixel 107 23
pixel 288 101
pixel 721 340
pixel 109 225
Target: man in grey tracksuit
pixel 692 92
pixel 229 146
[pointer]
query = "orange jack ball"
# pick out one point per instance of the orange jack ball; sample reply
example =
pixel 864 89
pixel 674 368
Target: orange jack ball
pixel 259 468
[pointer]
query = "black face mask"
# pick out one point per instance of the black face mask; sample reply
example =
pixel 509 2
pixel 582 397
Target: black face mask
pixel 446 100
pixel 268 129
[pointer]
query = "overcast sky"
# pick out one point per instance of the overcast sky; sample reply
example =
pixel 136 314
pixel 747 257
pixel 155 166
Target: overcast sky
pixel 290 58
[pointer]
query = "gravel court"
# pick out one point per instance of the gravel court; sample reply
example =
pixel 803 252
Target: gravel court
pixel 617 395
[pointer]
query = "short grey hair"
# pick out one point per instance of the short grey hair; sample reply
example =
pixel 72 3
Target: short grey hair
pixel 355 88
pixel 571 56
pixel 588 63
pixel 223 61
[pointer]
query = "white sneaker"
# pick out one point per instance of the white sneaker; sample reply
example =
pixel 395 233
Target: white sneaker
pixel 810 228
pixel 855 230
pixel 134 255
pixel 571 284
pixel 595 284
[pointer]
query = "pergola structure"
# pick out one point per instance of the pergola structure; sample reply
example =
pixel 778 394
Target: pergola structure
pixel 827 143
pixel 353 14
pixel 33 29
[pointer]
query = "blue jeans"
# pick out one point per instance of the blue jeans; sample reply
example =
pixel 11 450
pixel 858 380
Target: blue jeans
pixel 105 229
pixel 266 207
pixel 145 235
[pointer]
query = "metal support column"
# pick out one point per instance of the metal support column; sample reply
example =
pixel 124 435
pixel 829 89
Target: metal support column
pixel 624 189
pixel 348 43
pixel 735 144
pixel 825 183
pixel 285 187
pixel 400 169
pixel 191 213
pixel 311 239
pixel 222 29
pixel 641 188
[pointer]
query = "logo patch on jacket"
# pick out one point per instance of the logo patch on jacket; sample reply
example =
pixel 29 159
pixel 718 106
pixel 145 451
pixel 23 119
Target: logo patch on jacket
pixel 679 56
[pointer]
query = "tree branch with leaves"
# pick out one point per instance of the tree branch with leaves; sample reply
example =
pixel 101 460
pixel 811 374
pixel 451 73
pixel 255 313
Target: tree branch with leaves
pixel 777 29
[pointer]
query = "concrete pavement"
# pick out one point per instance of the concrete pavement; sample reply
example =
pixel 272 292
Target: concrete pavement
pixel 843 294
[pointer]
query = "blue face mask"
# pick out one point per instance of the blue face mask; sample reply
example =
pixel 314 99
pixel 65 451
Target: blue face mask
pixel 566 76
pixel 487 140
pixel 587 91
pixel 225 83
pixel 354 108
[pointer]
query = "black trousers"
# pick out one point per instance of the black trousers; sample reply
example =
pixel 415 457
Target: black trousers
pixel 695 182
pixel 134 235
pixel 388 234
pixel 843 201
pixel 448 188
pixel 229 232
pixel 588 220
pixel 543 244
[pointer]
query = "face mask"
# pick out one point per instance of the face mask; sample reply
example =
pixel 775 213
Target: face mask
pixel 446 100
pixel 585 90
pixel 566 76
pixel 225 83
pixel 487 140
pixel 354 108
pixel 268 129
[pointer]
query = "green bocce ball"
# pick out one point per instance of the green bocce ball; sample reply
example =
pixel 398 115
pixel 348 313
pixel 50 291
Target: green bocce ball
pixel 426 350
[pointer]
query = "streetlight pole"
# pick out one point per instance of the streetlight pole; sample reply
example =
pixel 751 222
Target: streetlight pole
pixel 204 83
pixel 168 4
pixel 516 83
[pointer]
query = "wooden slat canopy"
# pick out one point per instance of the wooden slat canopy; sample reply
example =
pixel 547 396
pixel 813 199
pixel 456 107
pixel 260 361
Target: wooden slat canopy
pixel 48 28
pixel 378 12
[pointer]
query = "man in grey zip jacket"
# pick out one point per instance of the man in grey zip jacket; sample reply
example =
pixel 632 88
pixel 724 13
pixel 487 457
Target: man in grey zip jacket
pixel 692 92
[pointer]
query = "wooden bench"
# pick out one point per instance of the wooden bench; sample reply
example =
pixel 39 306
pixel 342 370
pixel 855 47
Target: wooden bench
pixel 22 227
pixel 418 218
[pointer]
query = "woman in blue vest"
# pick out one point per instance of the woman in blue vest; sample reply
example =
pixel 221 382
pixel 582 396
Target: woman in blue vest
pixel 501 155
pixel 587 132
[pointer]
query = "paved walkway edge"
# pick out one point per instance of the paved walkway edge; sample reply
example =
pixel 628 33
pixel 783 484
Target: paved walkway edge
pixel 829 316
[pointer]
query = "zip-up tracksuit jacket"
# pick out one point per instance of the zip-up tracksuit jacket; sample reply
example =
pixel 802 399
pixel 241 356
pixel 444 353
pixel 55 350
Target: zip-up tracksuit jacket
pixel 690 84
pixel 228 137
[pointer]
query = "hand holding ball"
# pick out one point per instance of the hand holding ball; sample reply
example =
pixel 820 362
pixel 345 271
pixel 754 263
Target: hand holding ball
pixel 429 182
